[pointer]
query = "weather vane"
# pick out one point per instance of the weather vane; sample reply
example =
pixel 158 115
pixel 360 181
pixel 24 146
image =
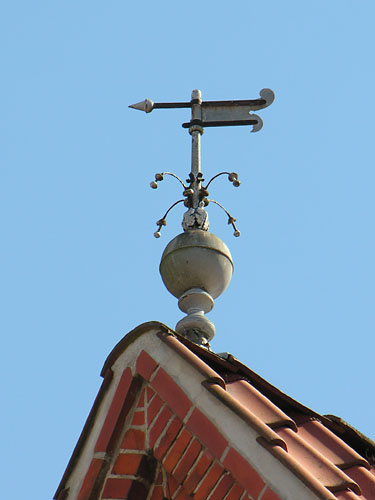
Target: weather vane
pixel 206 114
pixel 196 266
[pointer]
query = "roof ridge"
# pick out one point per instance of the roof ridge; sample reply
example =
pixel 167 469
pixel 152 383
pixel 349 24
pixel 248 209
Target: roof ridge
pixel 351 436
pixel 349 433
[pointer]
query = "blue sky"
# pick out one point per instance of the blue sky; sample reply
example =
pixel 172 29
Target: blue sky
pixel 79 264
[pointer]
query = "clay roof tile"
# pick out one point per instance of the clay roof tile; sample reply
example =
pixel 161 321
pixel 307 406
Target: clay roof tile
pixel 262 407
pixel 321 468
pixel 365 479
pixel 348 495
pixel 329 445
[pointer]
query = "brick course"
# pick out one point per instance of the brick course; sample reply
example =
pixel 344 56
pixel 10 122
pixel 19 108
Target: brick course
pixel 127 463
pixel 114 411
pixel 270 495
pixel 145 365
pixel 177 449
pixel 244 473
pixel 90 479
pixel 187 460
pixel 160 456
pixel 235 493
pixel 169 436
pixel 116 488
pixel 205 430
pixel 197 472
pixel 159 425
pixel 154 408
pixel 157 493
pixel 222 487
pixel 134 439
pixel 171 393
pixel 138 418
pixel 209 482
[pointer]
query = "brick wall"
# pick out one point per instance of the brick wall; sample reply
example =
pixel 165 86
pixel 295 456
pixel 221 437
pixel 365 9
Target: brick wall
pixel 170 450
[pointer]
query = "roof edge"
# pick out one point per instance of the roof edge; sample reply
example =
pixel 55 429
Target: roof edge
pixel 84 433
pixel 351 436
pixel 129 338
pixel 107 375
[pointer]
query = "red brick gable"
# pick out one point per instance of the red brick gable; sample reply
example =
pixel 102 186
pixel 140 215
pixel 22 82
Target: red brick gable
pixel 169 450
pixel 173 421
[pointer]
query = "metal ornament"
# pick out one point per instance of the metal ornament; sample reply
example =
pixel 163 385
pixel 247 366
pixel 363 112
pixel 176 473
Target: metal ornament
pixel 196 266
pixel 217 113
pixel 206 114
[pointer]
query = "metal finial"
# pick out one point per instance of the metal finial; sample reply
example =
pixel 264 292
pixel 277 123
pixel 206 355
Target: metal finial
pixel 196 266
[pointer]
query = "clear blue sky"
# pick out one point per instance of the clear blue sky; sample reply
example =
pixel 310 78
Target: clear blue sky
pixel 79 264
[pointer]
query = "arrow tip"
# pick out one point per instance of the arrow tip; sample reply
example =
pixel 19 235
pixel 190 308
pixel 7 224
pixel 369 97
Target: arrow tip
pixel 147 105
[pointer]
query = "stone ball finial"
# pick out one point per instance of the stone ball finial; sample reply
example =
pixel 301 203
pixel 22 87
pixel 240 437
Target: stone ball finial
pixel 196 267
pixel 196 259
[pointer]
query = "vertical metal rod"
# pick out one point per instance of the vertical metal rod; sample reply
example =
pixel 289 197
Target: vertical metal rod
pixel 196 165
pixel 196 131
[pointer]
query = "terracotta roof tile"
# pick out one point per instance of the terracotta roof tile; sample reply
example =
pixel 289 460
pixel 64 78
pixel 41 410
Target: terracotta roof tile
pixel 325 451
pixel 365 479
pixel 252 420
pixel 319 466
pixel 348 495
pixel 262 407
pixel 301 472
pixel 317 453
pixel 361 443
pixel 329 445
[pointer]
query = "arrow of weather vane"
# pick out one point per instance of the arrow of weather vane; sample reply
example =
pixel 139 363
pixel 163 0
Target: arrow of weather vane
pixel 217 113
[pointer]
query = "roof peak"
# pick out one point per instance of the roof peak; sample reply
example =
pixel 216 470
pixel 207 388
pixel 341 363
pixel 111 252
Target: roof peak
pixel 160 390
